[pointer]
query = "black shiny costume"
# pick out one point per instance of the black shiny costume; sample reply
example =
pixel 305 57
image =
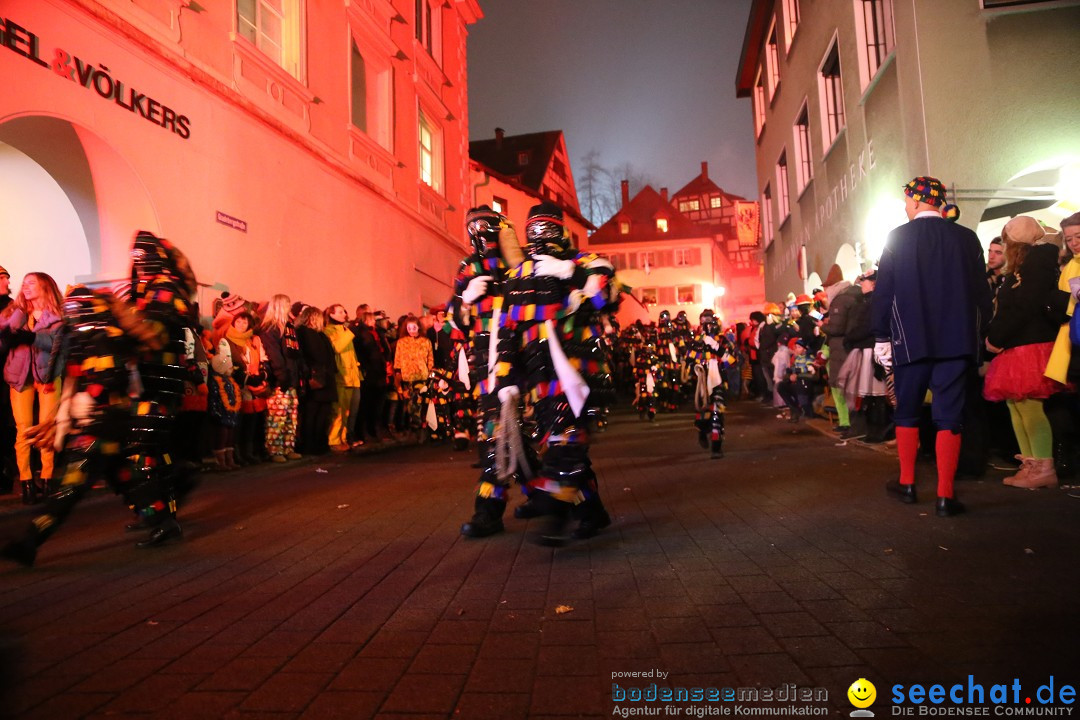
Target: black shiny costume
pixel 544 318
pixel 709 354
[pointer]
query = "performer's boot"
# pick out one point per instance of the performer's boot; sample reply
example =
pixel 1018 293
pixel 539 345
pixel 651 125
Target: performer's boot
pixel 162 533
pixel 487 518
pixel 556 514
pixel 717 447
pixel 27 491
pixel 592 517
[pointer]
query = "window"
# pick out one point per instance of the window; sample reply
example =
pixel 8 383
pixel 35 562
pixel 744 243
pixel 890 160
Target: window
pixel 875 35
pixel 772 62
pixel 782 206
pixel 686 257
pixel 804 167
pixel 791 21
pixel 689 205
pixel 624 227
pixel 684 294
pixel 716 201
pixel 500 205
pixel 430 153
pixel 759 104
pixel 429 28
pixel 370 96
pixel 831 90
pixel 273 26
pixel 766 216
pixel 359 89
pixel 661 225
pixel 648 296
pixel 523 158
pixel 647 260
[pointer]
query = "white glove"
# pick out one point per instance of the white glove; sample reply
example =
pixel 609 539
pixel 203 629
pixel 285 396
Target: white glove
pixel 711 342
pixel 509 393
pixel 1074 287
pixel 476 289
pixel 82 405
pixel 549 266
pixel 883 354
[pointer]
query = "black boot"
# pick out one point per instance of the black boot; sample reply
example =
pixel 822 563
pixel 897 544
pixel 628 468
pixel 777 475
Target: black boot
pixel 162 533
pixel 556 515
pixel 487 518
pixel 717 449
pixel 27 492
pixel 592 517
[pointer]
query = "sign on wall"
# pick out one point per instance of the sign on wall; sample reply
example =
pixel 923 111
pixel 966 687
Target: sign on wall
pixel 747 218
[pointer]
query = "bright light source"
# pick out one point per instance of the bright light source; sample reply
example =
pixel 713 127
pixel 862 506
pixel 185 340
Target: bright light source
pixel 720 291
pixel 886 214
pixel 1067 189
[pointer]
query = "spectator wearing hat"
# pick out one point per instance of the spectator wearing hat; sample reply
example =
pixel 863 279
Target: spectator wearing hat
pixel 1029 314
pixel 796 387
pixel 930 302
pixel 7 423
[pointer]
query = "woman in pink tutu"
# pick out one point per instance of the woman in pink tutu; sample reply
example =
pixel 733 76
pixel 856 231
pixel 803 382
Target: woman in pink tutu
pixel 1029 313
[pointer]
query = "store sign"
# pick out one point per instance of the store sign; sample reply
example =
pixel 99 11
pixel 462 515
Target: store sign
pixel 746 223
pixel 95 78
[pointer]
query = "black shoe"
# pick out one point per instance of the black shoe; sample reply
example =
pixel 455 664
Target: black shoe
pixel 905 493
pixel 27 492
pixel 161 534
pixel 20 551
pixel 480 527
pixel 841 429
pixel 590 526
pixel 947 507
pixel 461 443
pixel 526 510
pixel 703 441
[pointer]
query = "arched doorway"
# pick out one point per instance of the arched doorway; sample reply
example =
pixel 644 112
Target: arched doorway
pixel 70 202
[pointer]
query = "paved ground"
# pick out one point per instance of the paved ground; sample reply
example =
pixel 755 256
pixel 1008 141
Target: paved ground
pixel 350 594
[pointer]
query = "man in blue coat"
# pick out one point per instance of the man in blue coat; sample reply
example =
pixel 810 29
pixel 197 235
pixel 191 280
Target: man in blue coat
pixel 929 309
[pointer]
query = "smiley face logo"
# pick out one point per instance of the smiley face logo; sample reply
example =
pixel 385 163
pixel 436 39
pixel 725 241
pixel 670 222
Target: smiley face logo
pixel 862 693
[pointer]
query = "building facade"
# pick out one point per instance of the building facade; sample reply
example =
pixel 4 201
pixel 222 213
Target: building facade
pixel 682 252
pixel 313 148
pixel 512 173
pixel 853 98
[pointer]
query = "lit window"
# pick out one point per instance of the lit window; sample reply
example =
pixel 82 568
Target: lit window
pixel 273 26
pixel 782 206
pixel 648 296
pixel 759 104
pixel 791 21
pixel 647 260
pixel 875 34
pixel 689 205
pixel 804 168
pixel 624 227
pixel 499 205
pixel 716 201
pixel 766 215
pixel 371 89
pixel 831 89
pixel 685 257
pixel 430 153
pixel 684 294
pixel 772 62
pixel 661 224
pixel 429 28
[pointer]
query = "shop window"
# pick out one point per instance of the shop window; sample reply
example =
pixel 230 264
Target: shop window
pixel 430 146
pixel 274 27
pixel 876 36
pixel 831 91
pixel 804 167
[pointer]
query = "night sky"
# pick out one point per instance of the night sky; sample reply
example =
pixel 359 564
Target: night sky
pixel 649 82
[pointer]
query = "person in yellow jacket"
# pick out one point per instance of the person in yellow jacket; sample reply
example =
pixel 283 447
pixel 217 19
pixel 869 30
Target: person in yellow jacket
pixel 1069 281
pixel 348 374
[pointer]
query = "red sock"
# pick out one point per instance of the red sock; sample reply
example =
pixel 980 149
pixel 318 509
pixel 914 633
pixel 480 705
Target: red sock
pixel 907 444
pixel 948 455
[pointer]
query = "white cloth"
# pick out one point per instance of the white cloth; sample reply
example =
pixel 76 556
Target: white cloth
pixel 673 352
pixel 714 377
pixel 650 382
pixel 463 369
pixel 575 388
pixel 550 266
pixel 883 353
pixel 476 289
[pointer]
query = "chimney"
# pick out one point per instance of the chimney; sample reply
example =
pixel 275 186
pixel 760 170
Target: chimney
pixel 663 194
pixel 625 192
pixel 499 133
pixel 704 170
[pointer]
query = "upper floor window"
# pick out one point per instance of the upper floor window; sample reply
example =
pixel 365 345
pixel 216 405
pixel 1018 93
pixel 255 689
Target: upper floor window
pixel 430 146
pixel 523 158
pixel 689 205
pixel 371 88
pixel 791 21
pixel 766 215
pixel 804 167
pixel 624 227
pixel 831 91
pixel 273 26
pixel 429 28
pixel 686 257
pixel 874 28
pixel 772 62
pixel 759 104
pixel 783 207
pixel 716 201
pixel 661 225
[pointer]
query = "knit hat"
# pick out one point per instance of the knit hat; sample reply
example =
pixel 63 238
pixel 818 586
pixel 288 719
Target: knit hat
pixel 796 342
pixel 930 190
pixel 1023 229
pixel 3 271
pixel 232 304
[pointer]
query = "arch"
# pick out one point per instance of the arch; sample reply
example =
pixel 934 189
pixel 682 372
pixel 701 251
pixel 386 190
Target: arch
pixel 102 190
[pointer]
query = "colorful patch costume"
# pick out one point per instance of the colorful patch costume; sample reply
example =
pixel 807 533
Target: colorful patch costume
pixel 477 288
pixel 548 345
pixel 670 362
pixel 709 354
pixel 648 373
